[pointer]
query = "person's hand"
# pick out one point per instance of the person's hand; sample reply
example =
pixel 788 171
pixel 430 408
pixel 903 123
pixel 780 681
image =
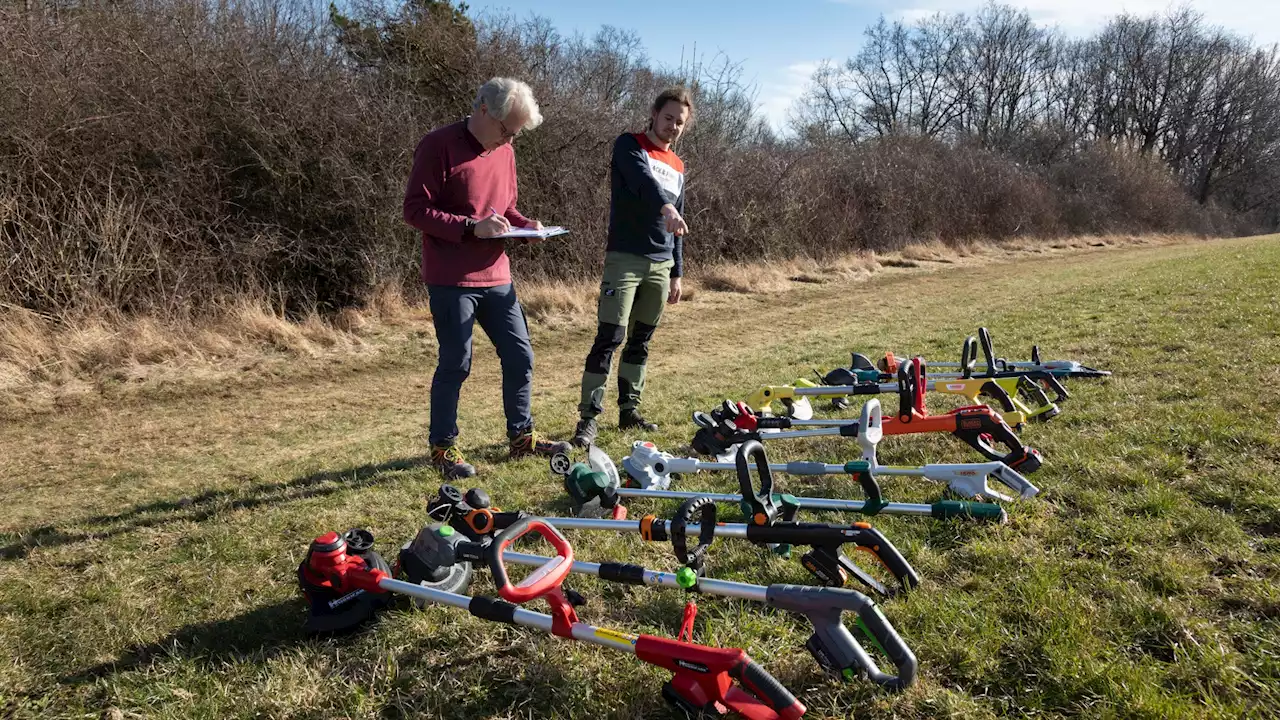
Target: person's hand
pixel 493 225
pixel 536 225
pixel 673 295
pixel 675 223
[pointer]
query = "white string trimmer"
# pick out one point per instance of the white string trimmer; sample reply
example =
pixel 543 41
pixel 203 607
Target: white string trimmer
pixel 648 468
pixel 597 490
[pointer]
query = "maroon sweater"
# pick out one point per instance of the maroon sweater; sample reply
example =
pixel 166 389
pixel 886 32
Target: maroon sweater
pixel 450 182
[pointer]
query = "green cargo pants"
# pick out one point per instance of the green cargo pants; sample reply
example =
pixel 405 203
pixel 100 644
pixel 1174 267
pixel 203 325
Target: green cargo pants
pixel 632 297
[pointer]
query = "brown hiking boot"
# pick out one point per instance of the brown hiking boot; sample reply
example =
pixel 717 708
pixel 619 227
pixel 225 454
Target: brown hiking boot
pixel 530 444
pixel 450 462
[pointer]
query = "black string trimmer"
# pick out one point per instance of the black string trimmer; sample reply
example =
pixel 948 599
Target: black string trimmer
pixel 1021 393
pixel 831 644
pixel 996 366
pixel 825 559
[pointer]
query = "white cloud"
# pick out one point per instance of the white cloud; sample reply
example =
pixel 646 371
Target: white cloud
pixel 911 15
pixel 1073 16
pixel 782 87
pixel 1258 19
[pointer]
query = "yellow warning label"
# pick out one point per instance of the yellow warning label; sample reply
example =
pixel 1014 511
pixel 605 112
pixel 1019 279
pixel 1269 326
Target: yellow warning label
pixel 614 635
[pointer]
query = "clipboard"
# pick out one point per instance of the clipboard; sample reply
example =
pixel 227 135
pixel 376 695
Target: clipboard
pixel 543 234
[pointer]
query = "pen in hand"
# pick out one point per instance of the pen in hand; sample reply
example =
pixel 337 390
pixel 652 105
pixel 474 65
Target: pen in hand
pixel 504 224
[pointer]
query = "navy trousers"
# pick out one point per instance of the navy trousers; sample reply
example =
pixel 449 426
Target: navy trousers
pixel 455 311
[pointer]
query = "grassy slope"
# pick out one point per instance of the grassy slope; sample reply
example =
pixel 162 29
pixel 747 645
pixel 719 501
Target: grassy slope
pixel 147 549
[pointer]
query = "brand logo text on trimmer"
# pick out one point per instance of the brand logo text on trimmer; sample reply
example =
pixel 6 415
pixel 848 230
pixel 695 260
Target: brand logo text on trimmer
pixel 345 598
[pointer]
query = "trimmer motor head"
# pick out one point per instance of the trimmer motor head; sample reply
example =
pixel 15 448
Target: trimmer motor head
pixel 431 560
pixel 594 486
pixel 332 608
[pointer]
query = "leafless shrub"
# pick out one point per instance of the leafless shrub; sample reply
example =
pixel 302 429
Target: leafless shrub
pixel 174 157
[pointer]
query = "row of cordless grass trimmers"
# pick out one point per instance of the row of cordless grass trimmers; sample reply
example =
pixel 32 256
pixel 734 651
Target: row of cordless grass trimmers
pixel 346 581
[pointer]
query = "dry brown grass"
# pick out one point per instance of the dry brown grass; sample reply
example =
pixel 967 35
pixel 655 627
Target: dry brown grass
pixel 387 305
pixel 858 266
pixel 1037 246
pixel 46 361
pixel 779 276
pixel 43 360
pixel 932 251
pixel 744 278
pixel 558 303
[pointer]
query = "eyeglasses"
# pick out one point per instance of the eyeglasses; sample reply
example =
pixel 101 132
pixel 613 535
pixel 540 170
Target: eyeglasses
pixel 507 133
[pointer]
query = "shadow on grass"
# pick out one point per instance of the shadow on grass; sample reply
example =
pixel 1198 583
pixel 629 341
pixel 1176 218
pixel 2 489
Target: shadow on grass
pixel 261 633
pixel 257 635
pixel 207 504
pixel 494 453
pixel 513 683
pixel 512 687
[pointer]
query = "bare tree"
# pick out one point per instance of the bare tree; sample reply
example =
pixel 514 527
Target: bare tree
pixel 937 85
pixel 881 76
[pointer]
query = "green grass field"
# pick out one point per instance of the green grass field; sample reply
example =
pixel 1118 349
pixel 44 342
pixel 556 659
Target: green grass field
pixel 148 544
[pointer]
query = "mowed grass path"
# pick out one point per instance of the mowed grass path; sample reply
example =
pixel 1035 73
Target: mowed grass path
pixel 148 546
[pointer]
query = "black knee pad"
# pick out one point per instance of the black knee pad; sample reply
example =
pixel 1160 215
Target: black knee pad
pixel 625 389
pixel 637 350
pixel 608 338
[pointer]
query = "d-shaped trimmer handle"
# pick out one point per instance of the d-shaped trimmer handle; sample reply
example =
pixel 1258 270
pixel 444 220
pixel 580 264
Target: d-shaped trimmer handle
pixel 703 509
pixel 541 581
pixel 911 389
pixel 870 428
pixel 992 390
pixel 988 351
pixel 833 646
pixel 764 510
pixel 1050 382
pixel 969 356
pixel 969 360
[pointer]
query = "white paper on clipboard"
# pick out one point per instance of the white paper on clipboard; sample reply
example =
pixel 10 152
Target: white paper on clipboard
pixel 546 232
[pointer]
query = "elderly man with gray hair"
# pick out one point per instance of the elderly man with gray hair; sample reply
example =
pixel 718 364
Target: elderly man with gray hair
pixel 461 194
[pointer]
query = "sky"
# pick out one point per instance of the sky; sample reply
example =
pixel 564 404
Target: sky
pixel 780 44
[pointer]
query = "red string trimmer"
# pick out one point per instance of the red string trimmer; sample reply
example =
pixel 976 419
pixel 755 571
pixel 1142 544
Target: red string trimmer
pixel 342 573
